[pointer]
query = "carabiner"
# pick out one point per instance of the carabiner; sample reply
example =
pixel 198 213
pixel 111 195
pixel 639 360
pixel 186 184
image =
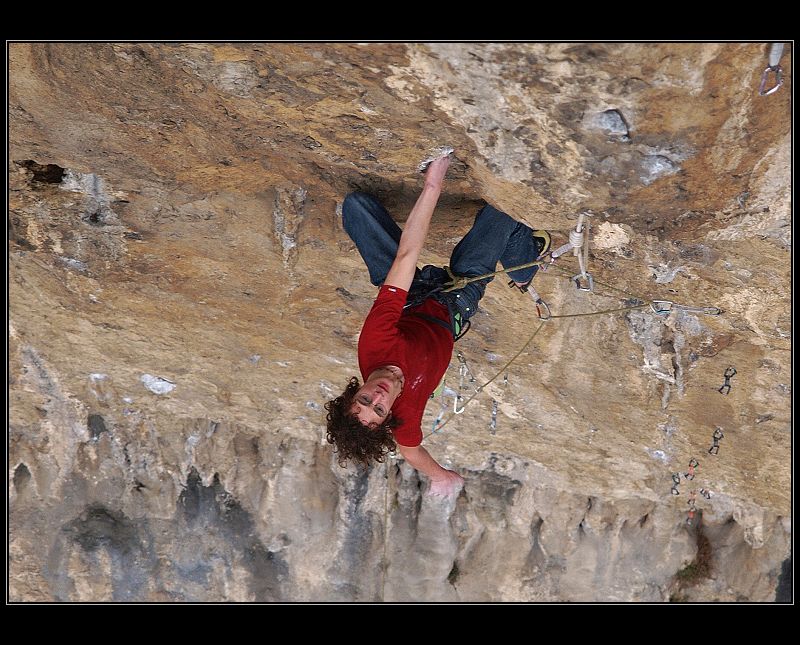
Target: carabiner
pixel 661 307
pixel 589 281
pixel 775 53
pixel 544 306
pixel 455 405
pixel 538 300
pixel 778 80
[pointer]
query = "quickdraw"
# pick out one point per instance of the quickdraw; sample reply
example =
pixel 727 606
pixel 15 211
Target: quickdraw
pixel 463 371
pixel 775 53
pixel 442 406
pixel 676 480
pixel 493 422
pixel 665 307
pixel 729 374
pixel 579 245
pixel 693 463
pixel 692 502
pixel 714 449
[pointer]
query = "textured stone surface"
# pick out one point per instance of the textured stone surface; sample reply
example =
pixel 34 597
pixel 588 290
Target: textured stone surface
pixel 183 300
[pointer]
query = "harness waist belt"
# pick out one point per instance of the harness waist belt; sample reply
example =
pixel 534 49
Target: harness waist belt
pixel 438 321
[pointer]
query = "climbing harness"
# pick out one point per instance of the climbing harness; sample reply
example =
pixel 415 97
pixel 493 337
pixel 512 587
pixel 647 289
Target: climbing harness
pixel 693 463
pixel 458 327
pixel 729 374
pixel 775 53
pixel 714 449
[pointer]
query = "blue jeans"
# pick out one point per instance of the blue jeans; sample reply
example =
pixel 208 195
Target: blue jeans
pixel 494 237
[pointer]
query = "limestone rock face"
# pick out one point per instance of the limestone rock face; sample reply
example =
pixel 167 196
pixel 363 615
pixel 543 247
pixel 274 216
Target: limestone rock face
pixel 183 301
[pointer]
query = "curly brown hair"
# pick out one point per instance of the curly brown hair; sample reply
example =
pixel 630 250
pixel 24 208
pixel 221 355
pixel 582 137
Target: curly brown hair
pixel 351 438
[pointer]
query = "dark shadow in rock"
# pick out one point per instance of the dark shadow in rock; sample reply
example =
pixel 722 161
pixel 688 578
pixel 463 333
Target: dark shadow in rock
pixel 492 493
pixel 783 593
pixel 22 477
pixel 217 524
pixel 536 560
pixel 96 425
pixel 362 539
pixel 43 173
pixel 99 531
pixel 399 196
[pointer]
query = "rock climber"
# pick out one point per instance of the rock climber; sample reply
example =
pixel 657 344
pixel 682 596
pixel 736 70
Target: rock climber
pixel 407 339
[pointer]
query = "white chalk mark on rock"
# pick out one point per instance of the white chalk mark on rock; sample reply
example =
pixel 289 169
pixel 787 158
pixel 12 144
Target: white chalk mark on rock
pixel 658 454
pixel 157 384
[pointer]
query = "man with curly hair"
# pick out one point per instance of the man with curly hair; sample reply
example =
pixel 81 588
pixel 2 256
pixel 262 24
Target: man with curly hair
pixel 407 339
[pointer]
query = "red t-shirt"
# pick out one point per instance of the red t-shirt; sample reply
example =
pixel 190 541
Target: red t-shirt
pixel 419 347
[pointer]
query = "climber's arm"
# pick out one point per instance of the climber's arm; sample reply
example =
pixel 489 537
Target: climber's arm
pixel 443 482
pixel 401 274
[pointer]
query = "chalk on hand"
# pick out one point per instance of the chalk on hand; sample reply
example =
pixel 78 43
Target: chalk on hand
pixel 435 154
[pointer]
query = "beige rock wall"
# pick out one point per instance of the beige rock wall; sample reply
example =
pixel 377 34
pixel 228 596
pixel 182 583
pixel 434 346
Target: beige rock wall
pixel 183 300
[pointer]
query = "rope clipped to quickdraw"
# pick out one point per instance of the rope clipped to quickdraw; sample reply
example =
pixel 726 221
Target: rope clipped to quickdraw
pixel 658 307
pixel 775 53
pixel 578 240
pixel 664 307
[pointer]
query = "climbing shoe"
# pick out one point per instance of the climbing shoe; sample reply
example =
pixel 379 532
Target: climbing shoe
pixel 543 242
pixel 542 238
